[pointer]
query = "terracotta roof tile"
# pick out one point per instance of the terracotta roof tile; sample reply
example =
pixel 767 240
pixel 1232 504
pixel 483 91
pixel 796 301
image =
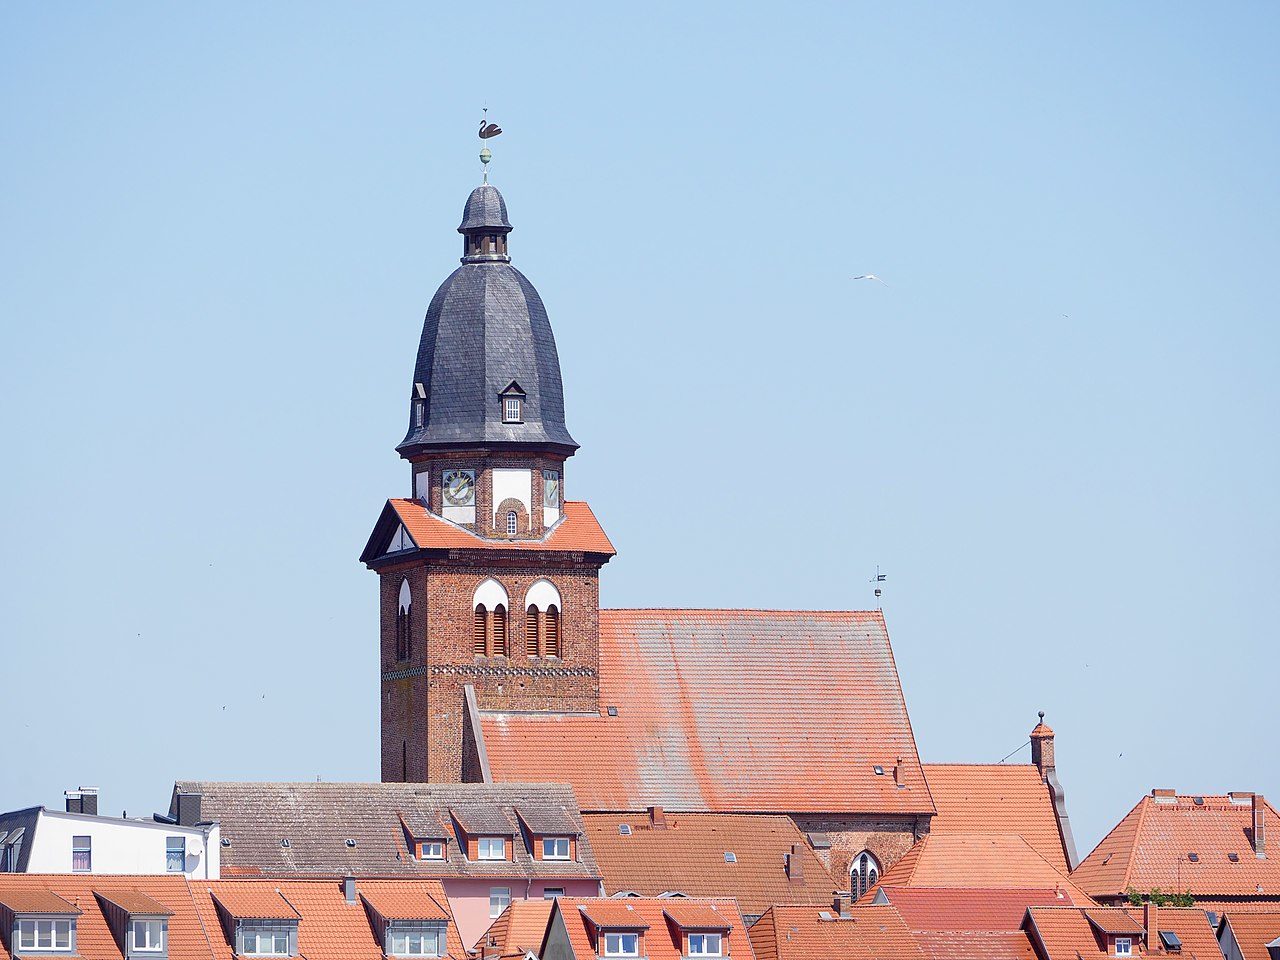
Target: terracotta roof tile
pixel 1076 933
pixel 1150 848
pixel 405 902
pixel 662 939
pixel 136 903
pixel 996 798
pixel 974 945
pixel 519 930
pixel 1114 921
pixel 970 908
pixel 688 857
pixel 578 531
pixel 692 915
pixel 36 899
pixel 1253 930
pixel 715 712
pixel 996 861
pixel 814 933
pixel 258 901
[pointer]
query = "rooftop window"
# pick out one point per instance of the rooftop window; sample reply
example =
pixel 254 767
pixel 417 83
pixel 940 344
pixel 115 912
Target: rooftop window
pixel 431 850
pixel 1124 946
pixel 555 848
pixel 511 412
pixel 258 938
pixel 147 936
pixel 621 945
pixel 414 938
pixel 704 945
pixel 491 848
pixel 46 936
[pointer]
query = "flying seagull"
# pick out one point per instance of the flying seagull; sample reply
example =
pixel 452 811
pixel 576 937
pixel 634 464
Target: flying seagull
pixel 868 276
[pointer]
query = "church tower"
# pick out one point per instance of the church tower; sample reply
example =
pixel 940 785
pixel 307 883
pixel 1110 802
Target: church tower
pixel 489 578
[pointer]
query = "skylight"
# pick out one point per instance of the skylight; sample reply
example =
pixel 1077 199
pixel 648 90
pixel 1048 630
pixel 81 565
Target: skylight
pixel 730 857
pixel 624 829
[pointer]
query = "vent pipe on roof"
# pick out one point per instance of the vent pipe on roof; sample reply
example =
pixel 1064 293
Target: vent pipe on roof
pixel 1259 826
pixel 349 889
pixel 657 819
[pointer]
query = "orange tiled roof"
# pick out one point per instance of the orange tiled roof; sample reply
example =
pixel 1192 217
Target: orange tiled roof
pixel 404 903
pixel 36 899
pixel 519 930
pixel 1151 847
pixel 816 933
pixel 996 798
pixel 1075 933
pixel 256 901
pixel 1253 930
pixel 577 531
pixel 136 903
pixel 583 918
pixel 688 857
pixel 716 712
pixel 969 908
pixel 692 915
pixel 996 861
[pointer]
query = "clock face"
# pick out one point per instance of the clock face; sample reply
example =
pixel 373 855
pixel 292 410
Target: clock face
pixel 460 487
pixel 550 488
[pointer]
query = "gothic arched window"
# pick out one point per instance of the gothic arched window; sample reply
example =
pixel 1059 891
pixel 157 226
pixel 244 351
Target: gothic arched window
pixel 513 523
pixel 863 875
pixel 485 636
pixel 553 631
pixel 542 598
pixel 499 631
pixel 480 631
pixel 404 621
pixel 531 630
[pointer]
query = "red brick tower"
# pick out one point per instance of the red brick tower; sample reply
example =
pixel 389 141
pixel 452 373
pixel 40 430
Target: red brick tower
pixel 489 578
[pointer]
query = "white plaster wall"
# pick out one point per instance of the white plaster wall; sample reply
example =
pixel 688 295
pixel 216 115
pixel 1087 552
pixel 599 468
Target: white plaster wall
pixel 550 515
pixel 490 593
pixel 509 482
pixel 120 846
pixel 542 593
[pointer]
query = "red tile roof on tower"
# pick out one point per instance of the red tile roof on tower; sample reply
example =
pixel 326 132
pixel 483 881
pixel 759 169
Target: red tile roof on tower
pixel 1152 847
pixel 977 798
pixel 719 710
pixel 577 531
pixel 1252 932
pixel 584 919
pixel 688 856
pixel 818 933
pixel 995 861
pixel 1074 933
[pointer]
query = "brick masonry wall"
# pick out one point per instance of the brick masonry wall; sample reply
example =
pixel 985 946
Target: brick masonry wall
pixel 887 838
pixel 423 700
pixel 483 462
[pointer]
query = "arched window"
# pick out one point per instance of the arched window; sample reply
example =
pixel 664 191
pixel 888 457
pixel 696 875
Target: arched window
pixel 553 631
pixel 404 621
pixel 499 631
pixel 513 523
pixel 863 875
pixel 531 630
pixel 480 631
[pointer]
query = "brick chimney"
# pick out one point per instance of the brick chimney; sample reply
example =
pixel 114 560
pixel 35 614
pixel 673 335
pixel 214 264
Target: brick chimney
pixel 1150 914
pixel 657 819
pixel 1259 826
pixel 842 904
pixel 83 800
pixel 1042 747
pixel 795 865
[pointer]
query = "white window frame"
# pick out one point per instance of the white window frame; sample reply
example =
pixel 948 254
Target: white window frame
pixel 174 845
pixel 31 930
pixel 416 938
pixel 431 850
pixel 511 410
pixel 1127 949
pixel 260 932
pixel 87 849
pixel 554 843
pixel 499 900
pixel 513 523
pixel 704 942
pixel 617 940
pixel 147 926
pixel 484 848
pixel 550 893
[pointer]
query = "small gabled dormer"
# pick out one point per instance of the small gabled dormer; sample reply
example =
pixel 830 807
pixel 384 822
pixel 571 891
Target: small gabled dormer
pixel 700 930
pixel 484 834
pixel 617 929
pixel 139 924
pixel 549 834
pixel 38 922
pixel 1117 933
pixel 258 922
pixel 409 924
pixel 512 398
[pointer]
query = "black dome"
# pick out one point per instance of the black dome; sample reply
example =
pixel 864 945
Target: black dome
pixel 486 328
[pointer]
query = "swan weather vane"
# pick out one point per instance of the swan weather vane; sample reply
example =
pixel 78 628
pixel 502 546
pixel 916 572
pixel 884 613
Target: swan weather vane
pixel 487 132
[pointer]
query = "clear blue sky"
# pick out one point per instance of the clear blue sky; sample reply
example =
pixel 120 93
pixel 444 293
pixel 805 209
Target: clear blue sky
pixel 1055 429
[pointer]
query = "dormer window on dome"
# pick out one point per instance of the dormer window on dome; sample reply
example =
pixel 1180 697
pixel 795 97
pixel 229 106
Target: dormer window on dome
pixel 512 399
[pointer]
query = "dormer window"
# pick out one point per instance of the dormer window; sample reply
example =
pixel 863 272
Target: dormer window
pixel 412 938
pixel 555 848
pixel 1124 946
pixel 704 945
pixel 46 935
pixel 147 936
pixel 511 412
pixel 257 938
pixel 491 848
pixel 431 850
pixel 621 945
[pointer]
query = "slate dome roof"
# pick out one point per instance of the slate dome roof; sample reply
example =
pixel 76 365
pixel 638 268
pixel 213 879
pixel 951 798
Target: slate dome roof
pixel 486 328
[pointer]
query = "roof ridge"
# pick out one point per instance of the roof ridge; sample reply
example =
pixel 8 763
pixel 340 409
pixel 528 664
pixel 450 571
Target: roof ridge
pixel 1119 823
pixel 1143 805
pixel 874 613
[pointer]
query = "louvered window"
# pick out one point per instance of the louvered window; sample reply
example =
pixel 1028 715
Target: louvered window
pixel 479 630
pixel 531 631
pixel 499 631
pixel 553 631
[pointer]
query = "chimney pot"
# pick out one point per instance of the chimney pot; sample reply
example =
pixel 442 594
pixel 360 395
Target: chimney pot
pixel 1259 826
pixel 1042 747
pixel 657 819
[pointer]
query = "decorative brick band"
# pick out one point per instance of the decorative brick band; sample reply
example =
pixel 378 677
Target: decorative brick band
pixel 404 674
pixel 481 670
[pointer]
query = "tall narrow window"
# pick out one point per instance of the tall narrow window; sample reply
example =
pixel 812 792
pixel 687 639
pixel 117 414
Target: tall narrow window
pixel 531 632
pixel 863 875
pixel 81 854
pixel 510 409
pixel 513 523
pixel 499 631
pixel 553 631
pixel 175 854
pixel 404 621
pixel 479 631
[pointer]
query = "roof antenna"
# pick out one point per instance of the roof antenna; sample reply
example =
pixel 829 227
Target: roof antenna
pixel 487 132
pixel 878 579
